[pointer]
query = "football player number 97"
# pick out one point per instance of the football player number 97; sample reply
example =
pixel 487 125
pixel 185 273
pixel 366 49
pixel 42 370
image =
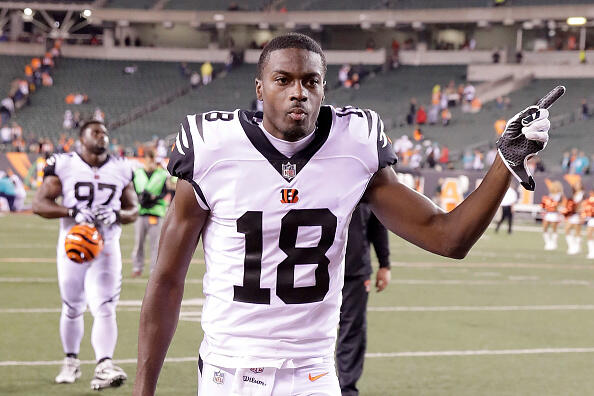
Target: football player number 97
pixel 250 224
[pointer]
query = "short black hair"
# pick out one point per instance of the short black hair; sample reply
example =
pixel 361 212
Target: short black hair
pixel 87 123
pixel 290 40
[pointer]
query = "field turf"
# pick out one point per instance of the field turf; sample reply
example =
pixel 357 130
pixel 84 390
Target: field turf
pixel 510 319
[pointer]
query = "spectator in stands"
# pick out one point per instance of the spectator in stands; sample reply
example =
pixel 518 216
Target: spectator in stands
pixel 496 56
pixel 433 114
pixel 98 115
pixel 519 57
pixel 468 96
pixel 7 190
pixel 19 190
pixel 6 110
pixel 467 160
pixel 417 134
pixel 76 98
pixel 206 70
pixel 395 53
pixel 499 126
pixel 444 157
pixel 477 161
pixel 446 116
pixel 68 122
pixel 131 69
pixel 416 158
pixel 490 156
pixel 499 103
pixel 585 110
pixel 421 116
pixel 370 45
pixel 343 74
pixel 21 93
pixel 17 131
pixel 581 165
pixel 195 79
pixel 6 134
pixel 412 112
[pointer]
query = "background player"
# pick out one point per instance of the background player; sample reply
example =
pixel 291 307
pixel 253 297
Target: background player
pixel 95 188
pixel 550 204
pixel 352 330
pixel 270 316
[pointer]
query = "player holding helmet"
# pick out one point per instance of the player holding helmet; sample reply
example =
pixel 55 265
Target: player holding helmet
pixel 96 190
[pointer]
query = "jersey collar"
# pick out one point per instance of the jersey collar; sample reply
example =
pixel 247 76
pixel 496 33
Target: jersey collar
pixel 287 167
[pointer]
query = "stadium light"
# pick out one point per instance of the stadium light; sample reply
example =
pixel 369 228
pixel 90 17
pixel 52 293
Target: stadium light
pixel 576 21
pixel 28 12
pixel 87 13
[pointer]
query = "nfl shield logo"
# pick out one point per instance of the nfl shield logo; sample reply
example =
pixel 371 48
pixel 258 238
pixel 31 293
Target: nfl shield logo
pixel 257 370
pixel 219 377
pixel 289 170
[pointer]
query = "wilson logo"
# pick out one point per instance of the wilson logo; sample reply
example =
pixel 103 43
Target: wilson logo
pixel 289 195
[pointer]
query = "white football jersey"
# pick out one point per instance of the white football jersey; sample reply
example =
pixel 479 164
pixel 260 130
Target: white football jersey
pixel 87 186
pixel 275 238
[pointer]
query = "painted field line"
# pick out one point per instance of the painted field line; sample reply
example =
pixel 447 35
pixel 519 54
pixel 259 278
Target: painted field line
pixel 490 265
pixel 55 280
pixel 512 280
pixel 480 352
pixel 484 308
pixel 123 305
pixel 12 260
pixel 8 363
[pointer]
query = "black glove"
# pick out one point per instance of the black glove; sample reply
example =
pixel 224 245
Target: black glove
pixel 525 135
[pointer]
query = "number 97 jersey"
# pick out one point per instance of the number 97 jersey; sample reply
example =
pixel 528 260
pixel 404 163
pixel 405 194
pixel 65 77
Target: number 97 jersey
pixel 87 186
pixel 274 241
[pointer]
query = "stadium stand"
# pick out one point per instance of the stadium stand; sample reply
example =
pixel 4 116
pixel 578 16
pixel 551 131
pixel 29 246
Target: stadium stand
pixel 12 67
pixel 412 4
pixel 133 4
pixel 247 5
pixel 106 85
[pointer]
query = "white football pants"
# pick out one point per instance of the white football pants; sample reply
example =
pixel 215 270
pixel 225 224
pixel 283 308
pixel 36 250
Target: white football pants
pixel 313 380
pixel 96 284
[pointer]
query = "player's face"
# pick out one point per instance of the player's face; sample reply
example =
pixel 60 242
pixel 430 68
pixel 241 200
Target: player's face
pixel 292 89
pixel 95 138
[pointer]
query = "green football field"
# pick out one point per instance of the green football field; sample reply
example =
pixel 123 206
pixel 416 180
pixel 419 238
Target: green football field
pixel 509 319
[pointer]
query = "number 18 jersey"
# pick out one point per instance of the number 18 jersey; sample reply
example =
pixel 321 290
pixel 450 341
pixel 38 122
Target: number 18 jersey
pixel 274 241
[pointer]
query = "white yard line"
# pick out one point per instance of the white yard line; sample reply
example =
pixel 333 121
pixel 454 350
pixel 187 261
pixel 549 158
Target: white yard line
pixel 456 308
pixel 480 352
pixel 193 315
pixel 55 280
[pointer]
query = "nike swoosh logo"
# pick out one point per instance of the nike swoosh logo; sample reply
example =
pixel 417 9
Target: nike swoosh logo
pixel 317 377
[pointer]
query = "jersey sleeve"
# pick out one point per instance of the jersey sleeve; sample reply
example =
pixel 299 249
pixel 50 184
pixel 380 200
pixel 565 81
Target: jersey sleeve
pixel 182 155
pixel 50 166
pixel 385 152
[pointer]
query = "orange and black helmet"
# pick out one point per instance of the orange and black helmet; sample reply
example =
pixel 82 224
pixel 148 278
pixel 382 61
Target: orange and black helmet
pixel 83 243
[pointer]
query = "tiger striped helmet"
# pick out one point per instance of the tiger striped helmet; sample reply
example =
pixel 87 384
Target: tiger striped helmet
pixel 83 243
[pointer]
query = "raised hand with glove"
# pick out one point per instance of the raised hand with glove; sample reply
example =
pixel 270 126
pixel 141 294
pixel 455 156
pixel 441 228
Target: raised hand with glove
pixel 525 135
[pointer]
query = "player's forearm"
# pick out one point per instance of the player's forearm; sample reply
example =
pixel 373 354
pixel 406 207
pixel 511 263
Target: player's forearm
pixel 467 222
pixel 48 208
pixel 128 215
pixel 158 321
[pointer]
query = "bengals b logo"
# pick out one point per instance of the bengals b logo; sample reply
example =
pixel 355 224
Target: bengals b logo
pixel 289 195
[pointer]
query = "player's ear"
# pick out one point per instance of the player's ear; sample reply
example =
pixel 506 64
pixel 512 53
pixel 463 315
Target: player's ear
pixel 258 89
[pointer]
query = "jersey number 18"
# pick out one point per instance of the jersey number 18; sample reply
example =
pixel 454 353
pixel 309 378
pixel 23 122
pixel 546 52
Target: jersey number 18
pixel 250 224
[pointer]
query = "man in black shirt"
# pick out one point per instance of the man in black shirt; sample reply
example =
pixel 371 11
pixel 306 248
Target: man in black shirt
pixel 352 340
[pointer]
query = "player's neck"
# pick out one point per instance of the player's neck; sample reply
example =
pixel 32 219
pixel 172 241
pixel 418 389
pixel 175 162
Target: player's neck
pixel 94 160
pixel 287 136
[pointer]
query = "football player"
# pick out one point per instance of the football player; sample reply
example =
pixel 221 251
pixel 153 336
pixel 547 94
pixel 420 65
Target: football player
pixel 272 195
pixel 550 221
pixel 96 188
